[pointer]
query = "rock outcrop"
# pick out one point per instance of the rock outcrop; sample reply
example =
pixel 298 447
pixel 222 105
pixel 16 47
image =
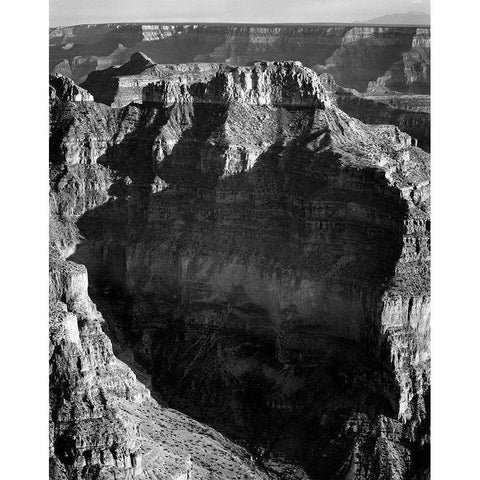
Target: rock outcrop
pixel 264 257
pixel 409 112
pixel 103 421
pixel 88 431
pixel 264 83
pixel 393 57
pixel 65 89
pixel 142 81
pixel 411 73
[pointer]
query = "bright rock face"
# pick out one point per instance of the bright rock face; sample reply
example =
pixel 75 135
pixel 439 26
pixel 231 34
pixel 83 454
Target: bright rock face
pixel 262 255
pixel 264 83
pixel 66 89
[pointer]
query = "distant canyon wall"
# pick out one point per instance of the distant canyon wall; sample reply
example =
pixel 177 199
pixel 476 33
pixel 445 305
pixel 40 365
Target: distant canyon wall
pixel 372 58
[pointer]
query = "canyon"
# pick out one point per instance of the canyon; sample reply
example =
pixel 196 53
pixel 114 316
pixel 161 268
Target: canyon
pixel 257 300
pixel 397 57
pixel 388 65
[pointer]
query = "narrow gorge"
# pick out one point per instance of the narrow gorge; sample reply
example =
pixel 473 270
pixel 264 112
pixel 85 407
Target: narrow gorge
pixel 257 302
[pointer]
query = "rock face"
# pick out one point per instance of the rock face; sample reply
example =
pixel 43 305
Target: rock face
pixel 409 112
pixel 142 81
pixel 103 421
pixel 65 89
pixel 88 431
pixel 387 64
pixel 394 57
pixel 262 255
pixel 411 73
pixel 264 83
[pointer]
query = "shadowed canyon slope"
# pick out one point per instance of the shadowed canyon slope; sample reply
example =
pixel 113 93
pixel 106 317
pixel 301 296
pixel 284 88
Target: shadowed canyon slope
pixel 259 258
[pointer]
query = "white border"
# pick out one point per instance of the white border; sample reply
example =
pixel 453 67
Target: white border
pixel 24 249
pixel 455 240
pixel 456 266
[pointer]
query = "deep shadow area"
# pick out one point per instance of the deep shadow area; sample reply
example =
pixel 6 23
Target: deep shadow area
pixel 282 385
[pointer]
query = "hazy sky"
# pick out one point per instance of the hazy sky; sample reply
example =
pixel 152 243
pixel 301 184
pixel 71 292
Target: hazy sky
pixel 71 12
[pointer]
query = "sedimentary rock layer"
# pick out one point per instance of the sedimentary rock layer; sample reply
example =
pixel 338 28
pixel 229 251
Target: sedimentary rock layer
pixel 360 57
pixel 103 421
pixel 265 257
pixel 409 112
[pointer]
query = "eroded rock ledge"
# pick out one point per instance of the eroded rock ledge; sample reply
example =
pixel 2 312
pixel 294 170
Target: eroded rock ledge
pixel 264 257
pixel 411 113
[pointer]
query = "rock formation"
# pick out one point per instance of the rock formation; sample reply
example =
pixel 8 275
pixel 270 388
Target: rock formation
pixel 388 65
pixel 258 253
pixel 103 421
pixel 65 88
pixel 409 112
pixel 354 55
pixel 410 73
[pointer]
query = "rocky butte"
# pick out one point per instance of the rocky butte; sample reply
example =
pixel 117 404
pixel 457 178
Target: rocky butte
pixel 259 259
pixel 387 66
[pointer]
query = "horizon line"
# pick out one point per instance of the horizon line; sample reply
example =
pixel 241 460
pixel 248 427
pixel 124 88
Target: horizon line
pixel 355 23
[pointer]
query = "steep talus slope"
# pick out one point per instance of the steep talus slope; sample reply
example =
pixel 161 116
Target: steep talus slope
pixel 394 57
pixel 103 421
pixel 264 257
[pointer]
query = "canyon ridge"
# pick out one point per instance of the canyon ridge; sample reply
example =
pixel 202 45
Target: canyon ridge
pixel 239 252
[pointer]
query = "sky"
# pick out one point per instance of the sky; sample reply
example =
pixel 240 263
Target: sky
pixel 74 12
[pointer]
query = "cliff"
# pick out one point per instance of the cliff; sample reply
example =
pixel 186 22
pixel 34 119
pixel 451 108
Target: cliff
pixel 409 112
pixel 265 83
pixel 64 88
pixel 264 257
pixel 142 81
pixel 104 423
pixel 354 55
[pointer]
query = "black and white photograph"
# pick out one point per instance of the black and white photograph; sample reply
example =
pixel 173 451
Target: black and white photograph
pixel 239 254
pixel 239 243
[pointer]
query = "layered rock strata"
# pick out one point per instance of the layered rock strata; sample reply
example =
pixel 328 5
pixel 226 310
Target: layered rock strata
pixel 103 421
pixel 410 113
pixel 142 81
pixel 360 57
pixel 65 88
pixel 265 257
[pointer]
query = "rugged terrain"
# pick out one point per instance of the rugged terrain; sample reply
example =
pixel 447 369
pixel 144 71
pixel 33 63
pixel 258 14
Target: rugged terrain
pixel 260 258
pixel 354 55
pixel 411 113
pixel 103 421
pixel 387 64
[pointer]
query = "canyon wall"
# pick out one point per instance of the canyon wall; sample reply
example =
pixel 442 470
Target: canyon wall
pixel 388 66
pixel 410 113
pixel 360 57
pixel 104 422
pixel 261 254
